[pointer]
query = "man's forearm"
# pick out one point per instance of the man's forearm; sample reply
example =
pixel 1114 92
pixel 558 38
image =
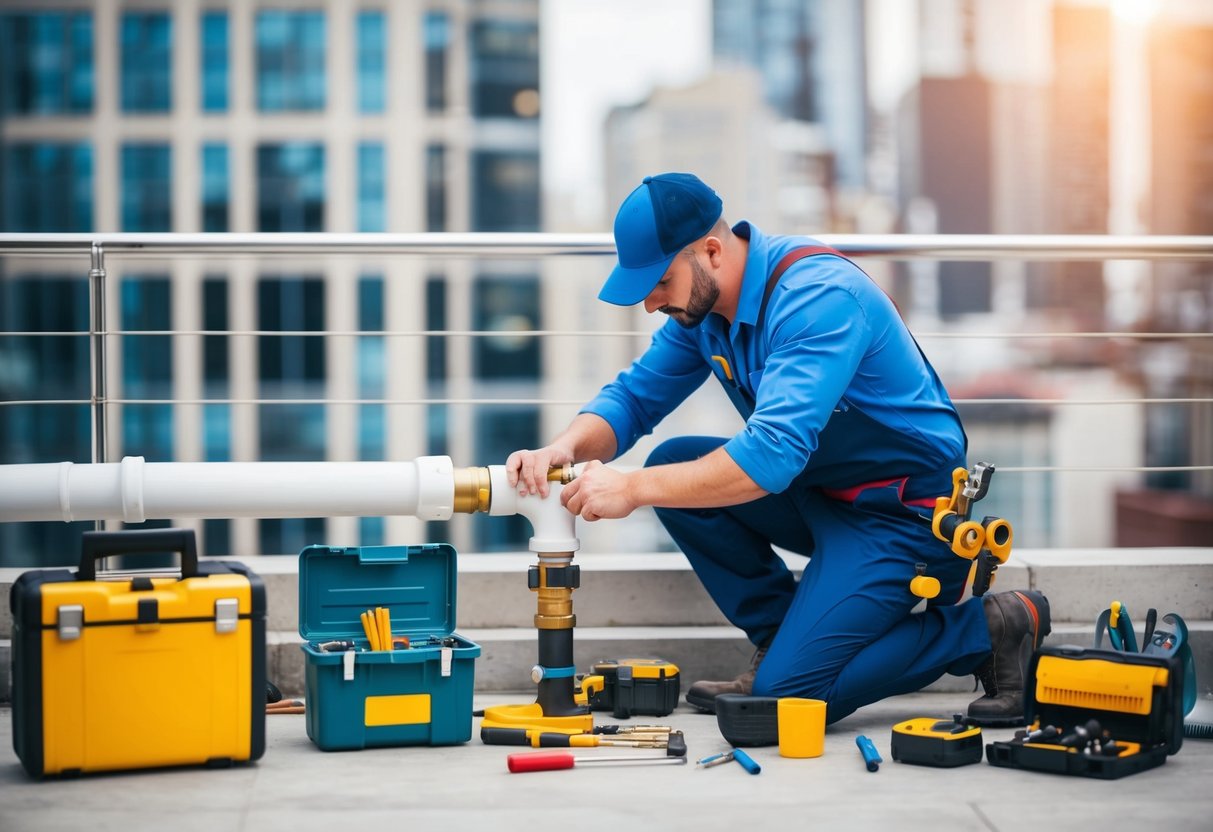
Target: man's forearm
pixel 709 482
pixel 587 437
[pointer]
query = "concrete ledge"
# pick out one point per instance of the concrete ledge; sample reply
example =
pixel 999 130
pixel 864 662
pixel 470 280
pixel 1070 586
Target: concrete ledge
pixel 507 655
pixel 660 590
pixel 653 605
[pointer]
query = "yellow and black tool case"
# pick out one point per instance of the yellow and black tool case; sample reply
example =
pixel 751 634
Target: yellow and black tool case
pixel 138 671
pixel 1097 713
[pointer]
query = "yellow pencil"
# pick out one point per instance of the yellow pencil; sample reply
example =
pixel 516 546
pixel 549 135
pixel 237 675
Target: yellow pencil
pixel 369 628
pixel 385 629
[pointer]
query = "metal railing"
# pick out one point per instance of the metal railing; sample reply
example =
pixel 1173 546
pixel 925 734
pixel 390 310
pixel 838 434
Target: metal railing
pixel 937 247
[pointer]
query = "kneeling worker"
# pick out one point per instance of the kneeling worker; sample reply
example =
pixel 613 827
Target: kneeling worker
pixel 849 436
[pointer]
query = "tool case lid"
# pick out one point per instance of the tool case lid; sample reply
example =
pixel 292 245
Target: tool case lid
pixel 1142 702
pixel 415 583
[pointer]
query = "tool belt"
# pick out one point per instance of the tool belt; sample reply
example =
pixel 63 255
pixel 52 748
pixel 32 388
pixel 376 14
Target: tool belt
pixel 849 495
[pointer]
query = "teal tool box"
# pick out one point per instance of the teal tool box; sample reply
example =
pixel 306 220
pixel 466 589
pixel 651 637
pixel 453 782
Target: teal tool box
pixel 362 698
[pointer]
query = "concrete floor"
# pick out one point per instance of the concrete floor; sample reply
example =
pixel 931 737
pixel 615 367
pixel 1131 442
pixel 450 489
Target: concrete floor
pixel 299 788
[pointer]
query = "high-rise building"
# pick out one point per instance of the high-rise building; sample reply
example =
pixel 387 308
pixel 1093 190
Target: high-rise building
pixel 810 55
pixel 1181 202
pixel 250 116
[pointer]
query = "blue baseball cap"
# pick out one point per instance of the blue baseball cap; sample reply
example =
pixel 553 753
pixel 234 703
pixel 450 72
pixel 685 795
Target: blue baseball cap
pixel 660 218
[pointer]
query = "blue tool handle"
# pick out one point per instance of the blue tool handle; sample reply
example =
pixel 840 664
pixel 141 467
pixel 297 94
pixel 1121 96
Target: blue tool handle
pixel 747 762
pixel 870 755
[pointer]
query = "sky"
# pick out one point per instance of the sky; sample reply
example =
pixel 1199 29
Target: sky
pixel 599 54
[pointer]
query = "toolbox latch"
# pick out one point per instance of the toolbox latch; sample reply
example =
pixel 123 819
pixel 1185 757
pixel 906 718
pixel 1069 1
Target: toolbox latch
pixel 71 621
pixel 227 615
pixel 446 655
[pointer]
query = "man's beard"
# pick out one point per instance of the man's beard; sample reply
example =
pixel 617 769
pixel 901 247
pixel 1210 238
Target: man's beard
pixel 704 294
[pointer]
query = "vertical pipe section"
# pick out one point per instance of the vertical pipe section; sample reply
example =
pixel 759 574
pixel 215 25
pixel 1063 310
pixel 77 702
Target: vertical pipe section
pixel 97 336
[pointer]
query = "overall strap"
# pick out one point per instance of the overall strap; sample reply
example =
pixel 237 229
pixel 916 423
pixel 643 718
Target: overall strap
pixel 782 266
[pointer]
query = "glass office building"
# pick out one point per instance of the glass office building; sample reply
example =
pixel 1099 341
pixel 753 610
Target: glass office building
pixel 249 116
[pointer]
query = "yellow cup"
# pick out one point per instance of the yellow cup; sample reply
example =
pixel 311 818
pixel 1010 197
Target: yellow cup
pixel 802 727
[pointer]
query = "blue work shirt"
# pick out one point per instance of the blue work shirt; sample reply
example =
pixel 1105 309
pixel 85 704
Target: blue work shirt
pixel 833 389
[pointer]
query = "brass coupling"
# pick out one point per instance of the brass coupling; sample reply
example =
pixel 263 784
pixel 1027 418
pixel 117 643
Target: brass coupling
pixel 473 490
pixel 555 609
pixel 563 474
pixel 554 587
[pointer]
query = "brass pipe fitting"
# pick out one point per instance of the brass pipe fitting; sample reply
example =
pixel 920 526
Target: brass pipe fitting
pixel 563 474
pixel 555 609
pixel 554 603
pixel 473 490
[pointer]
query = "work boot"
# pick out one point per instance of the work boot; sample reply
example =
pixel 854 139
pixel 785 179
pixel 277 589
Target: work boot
pixel 703 694
pixel 1018 622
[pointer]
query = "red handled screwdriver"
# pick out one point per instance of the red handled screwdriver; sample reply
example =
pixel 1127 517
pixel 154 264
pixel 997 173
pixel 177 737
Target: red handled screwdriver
pixel 556 760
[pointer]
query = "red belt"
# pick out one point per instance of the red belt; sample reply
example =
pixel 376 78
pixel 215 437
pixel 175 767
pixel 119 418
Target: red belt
pixel 848 495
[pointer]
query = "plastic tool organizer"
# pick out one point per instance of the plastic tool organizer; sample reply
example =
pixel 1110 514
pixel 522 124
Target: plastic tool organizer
pixel 357 697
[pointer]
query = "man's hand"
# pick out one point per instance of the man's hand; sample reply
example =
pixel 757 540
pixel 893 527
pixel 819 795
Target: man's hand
pixel 528 470
pixel 598 492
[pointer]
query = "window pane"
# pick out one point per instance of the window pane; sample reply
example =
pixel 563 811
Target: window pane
pixel 505 191
pixel 214 187
pixel 371 370
pixel 145 50
pixel 290 187
pixel 506 305
pixel 47 187
pixel 290 537
pixel 372 60
pixel 216 376
pixel 147 368
pixel 371 208
pixel 291 367
pixel 51 367
pixel 214 62
pixel 435 188
pixel 505 68
pixel 46 62
pixel 436 31
pixel 146 187
pixel 290 60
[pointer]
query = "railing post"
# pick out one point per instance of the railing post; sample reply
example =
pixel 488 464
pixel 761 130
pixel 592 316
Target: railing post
pixel 97 336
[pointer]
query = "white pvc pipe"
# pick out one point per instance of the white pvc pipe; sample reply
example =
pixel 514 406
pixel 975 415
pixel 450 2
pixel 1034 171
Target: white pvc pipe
pixel 133 490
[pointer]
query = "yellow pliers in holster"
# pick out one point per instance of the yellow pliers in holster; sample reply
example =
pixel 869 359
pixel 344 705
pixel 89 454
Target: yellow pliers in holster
pixel 986 543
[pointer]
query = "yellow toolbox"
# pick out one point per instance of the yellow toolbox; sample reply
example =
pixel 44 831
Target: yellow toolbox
pixel 138 671
pixel 1097 713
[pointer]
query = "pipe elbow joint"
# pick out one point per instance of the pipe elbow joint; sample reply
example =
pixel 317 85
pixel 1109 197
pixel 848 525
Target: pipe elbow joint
pixel 553 527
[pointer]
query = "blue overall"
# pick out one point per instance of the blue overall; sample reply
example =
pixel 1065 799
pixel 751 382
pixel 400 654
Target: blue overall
pixel 850 431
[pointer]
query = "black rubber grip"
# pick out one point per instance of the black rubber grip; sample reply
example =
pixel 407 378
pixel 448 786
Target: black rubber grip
pixel 97 545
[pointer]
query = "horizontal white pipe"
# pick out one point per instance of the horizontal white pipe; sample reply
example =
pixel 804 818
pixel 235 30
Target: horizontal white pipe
pixel 134 490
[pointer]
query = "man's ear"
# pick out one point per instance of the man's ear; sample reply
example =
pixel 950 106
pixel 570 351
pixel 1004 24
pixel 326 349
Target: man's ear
pixel 714 249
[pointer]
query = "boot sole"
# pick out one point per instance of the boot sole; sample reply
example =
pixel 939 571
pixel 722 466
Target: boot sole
pixel 707 704
pixel 996 722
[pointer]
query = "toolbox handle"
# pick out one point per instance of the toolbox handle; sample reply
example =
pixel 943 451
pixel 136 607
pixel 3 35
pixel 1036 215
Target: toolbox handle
pixel 96 545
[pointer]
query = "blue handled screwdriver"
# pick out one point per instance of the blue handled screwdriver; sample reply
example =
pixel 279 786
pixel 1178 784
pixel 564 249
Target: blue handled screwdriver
pixel 871 757
pixel 743 759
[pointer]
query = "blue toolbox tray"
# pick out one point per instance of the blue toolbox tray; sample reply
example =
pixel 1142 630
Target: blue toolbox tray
pixel 364 698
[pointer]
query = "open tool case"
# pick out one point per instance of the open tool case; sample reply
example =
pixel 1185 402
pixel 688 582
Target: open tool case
pixel 1137 698
pixel 360 698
